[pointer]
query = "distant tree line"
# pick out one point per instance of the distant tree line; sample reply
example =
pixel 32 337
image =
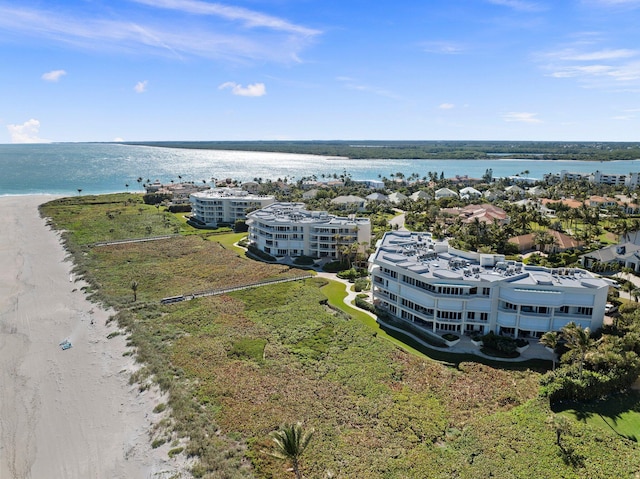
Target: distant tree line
pixel 588 151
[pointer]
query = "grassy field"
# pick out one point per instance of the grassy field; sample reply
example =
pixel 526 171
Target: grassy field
pixel 238 366
pixel 619 414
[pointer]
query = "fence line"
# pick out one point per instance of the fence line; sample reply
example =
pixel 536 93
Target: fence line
pixel 218 291
pixel 132 240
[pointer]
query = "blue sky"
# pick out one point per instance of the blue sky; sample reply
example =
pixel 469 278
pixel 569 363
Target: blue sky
pixel 134 70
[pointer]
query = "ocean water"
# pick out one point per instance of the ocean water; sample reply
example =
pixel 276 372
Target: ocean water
pixel 97 168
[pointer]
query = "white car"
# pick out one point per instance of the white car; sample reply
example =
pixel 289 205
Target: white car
pixel 610 308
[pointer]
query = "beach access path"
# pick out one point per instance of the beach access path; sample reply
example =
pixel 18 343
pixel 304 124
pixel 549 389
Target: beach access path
pixel 64 413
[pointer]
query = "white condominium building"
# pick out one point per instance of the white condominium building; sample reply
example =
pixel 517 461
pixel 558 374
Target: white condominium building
pixel 439 288
pixel 288 229
pixel 224 205
pixel 630 180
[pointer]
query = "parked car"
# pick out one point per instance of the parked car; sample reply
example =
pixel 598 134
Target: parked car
pixel 610 308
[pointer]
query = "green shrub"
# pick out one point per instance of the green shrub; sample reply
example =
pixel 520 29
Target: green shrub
pixel 260 254
pixel 248 349
pixel 159 408
pixel 157 443
pixel 362 284
pixel 499 346
pixel 156 198
pixel 335 267
pixel 240 226
pixel 304 260
pixel 175 451
pixel 361 303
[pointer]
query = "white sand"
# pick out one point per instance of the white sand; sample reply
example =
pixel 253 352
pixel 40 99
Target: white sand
pixel 64 414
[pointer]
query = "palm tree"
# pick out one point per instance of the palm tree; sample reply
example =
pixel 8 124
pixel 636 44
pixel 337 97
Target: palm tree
pixel 561 426
pixel 578 340
pixel 550 340
pixel 134 288
pixel 545 241
pixel 290 442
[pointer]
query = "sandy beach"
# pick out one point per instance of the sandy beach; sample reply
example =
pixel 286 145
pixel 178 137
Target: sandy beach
pixel 64 413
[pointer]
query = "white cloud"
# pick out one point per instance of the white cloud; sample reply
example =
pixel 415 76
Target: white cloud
pixel 141 86
pixel 248 17
pixel 118 139
pixel 53 75
pixel 231 33
pixel 606 55
pixel 570 54
pixel 523 117
pixel 353 84
pixel 446 106
pixel 613 3
pixel 581 71
pixel 443 47
pixel 26 133
pixel 255 89
pixel 608 68
pixel 520 5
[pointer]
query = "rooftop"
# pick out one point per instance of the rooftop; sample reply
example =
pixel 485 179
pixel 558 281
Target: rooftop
pixel 296 213
pixel 228 193
pixel 420 253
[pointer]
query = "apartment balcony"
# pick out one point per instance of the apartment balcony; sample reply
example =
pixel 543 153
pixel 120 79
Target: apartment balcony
pixel 448 320
pixel 382 294
pixel 421 315
pixel 534 323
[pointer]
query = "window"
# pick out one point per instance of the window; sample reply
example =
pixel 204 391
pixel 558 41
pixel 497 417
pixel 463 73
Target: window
pixel 408 280
pixel 486 291
pixel 584 311
pixel 389 272
pixel 450 327
pixel 450 290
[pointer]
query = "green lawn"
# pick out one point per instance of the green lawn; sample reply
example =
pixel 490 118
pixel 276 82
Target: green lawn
pixel 228 241
pixel 336 292
pixel 619 414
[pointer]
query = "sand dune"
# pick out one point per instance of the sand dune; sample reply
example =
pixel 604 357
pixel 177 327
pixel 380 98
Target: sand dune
pixel 63 414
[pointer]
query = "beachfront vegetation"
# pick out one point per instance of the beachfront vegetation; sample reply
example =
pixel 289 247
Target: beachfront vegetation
pixel 238 366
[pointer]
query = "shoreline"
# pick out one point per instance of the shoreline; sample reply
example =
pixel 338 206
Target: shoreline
pixel 65 413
